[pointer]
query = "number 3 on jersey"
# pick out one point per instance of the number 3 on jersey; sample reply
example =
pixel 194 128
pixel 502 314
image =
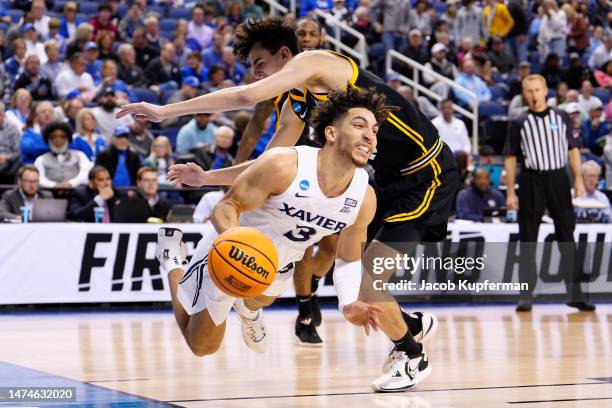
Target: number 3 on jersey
pixel 300 234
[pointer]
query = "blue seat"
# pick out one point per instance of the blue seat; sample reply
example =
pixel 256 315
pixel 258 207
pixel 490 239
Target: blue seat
pixel 146 95
pixel 171 134
pixel 440 7
pixel 551 93
pixel 168 24
pixel 89 8
pixel 59 5
pixel 491 109
pixel 179 12
pixel 498 91
pixel 602 94
pixel 166 94
pixel 15 15
pixel 159 10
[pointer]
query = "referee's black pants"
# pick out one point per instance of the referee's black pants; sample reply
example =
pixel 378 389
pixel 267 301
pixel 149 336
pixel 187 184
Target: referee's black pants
pixel 537 192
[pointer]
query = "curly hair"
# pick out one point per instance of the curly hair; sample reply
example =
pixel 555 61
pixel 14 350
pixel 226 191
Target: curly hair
pixel 339 103
pixel 270 32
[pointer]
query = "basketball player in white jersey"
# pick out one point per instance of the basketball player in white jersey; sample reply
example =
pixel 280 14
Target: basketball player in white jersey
pixel 314 193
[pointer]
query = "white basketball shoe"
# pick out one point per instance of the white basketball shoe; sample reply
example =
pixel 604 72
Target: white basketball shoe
pixel 403 373
pixel 171 250
pixel 253 328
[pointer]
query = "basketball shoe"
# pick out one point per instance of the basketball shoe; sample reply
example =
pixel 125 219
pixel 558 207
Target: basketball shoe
pixel 171 250
pixel 316 310
pixel 428 326
pixel 306 332
pixel 252 326
pixel 404 372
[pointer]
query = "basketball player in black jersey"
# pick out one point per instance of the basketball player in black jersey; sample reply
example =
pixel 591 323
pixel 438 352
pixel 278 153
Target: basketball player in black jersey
pixel 311 269
pixel 415 172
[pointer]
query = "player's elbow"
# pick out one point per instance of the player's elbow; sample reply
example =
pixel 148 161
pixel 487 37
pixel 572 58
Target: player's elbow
pixel 247 97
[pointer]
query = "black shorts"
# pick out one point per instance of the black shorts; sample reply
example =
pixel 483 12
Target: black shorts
pixel 416 207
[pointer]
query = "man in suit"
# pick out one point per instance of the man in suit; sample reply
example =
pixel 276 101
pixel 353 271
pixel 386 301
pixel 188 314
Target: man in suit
pixel 24 194
pixel 98 192
pixel 119 160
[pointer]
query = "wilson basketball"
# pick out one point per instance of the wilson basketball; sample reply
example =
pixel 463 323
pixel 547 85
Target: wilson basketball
pixel 242 262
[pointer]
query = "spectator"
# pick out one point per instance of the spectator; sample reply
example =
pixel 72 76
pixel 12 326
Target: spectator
pixel 25 194
pixel 216 77
pixel 54 27
pixel 577 73
pixel 41 21
pixel 452 130
pixel 84 34
pixel 601 54
pixel 94 65
pixel 87 139
pixel 33 46
pixel 144 53
pixel 61 167
pixel 181 50
pixel 560 96
pixel 216 155
pixel 13 65
pixel 573 111
pixel 604 77
pixel 497 19
pixel 362 22
pixel 234 71
pixel 4 15
pixel 515 87
pixel 442 66
pixel 148 190
pixel 420 19
pixel 517 107
pixel 69 21
pixel 594 131
pixel 586 99
pixel 251 9
pixel 310 5
pixel 39 86
pixel 473 201
pixel 198 30
pixel 395 22
pixel 213 55
pixel 104 39
pixel 591 171
pixel 469 80
pixel 160 158
pixel 53 66
pixel 68 109
pixel 196 132
pixel 154 41
pixel 129 71
pixel 109 78
pixel 141 139
pixel 552 70
pixel 206 205
pixel 553 30
pixel 121 162
pixel 465 51
pixel 599 10
pixel 6 87
pixel 21 106
pixel 132 21
pixel 163 71
pixel 578 37
pixel 234 14
pixel 98 192
pixel 469 22
pixel 10 138
pixel 517 37
pixel 106 111
pixel 415 49
pixel 573 97
pixel 195 68
pixel 500 58
pixel 74 77
pixel 103 21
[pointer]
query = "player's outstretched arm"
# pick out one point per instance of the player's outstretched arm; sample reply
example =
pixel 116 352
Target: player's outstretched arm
pixel 297 71
pixel 347 272
pixel 270 174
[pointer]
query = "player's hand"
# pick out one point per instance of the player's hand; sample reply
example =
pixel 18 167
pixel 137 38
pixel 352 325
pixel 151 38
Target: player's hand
pixel 511 201
pixel 362 314
pixel 189 174
pixel 579 190
pixel 142 111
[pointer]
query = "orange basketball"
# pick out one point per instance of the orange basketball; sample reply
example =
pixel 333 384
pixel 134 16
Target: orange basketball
pixel 242 262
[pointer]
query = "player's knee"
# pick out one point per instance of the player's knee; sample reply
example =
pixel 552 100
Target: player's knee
pixel 202 349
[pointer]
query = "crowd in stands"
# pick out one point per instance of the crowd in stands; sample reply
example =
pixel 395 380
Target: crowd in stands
pixel 68 66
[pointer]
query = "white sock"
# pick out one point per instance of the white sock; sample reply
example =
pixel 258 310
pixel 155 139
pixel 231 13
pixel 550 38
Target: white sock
pixel 246 312
pixel 170 264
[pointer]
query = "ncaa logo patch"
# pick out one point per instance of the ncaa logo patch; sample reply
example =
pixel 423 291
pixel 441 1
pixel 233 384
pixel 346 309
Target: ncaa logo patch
pixel 553 126
pixel 350 202
pixel 297 107
pixel 304 185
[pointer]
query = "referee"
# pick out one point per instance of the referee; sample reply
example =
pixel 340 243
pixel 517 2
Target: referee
pixel 542 140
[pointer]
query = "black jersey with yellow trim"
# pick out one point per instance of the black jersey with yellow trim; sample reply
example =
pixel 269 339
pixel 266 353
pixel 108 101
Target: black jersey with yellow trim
pixel 304 139
pixel 407 140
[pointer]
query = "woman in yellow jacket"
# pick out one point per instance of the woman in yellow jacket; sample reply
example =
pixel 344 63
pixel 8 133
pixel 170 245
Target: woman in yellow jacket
pixel 497 19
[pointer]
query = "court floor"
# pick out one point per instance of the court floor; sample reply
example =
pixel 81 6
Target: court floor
pixel 482 356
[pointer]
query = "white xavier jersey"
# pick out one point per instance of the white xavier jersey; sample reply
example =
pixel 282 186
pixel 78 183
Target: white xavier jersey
pixel 302 215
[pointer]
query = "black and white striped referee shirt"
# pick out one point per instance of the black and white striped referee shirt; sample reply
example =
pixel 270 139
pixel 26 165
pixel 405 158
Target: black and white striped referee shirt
pixel 541 140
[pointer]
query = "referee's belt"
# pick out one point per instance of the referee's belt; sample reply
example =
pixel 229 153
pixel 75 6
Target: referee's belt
pixel 424 160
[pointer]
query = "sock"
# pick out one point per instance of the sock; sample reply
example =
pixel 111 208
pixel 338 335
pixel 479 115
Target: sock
pixel 314 284
pixel 248 313
pixel 304 308
pixel 414 323
pixel 408 345
pixel 170 264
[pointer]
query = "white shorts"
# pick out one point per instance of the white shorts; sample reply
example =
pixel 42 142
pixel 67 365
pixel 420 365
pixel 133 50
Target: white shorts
pixel 197 291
